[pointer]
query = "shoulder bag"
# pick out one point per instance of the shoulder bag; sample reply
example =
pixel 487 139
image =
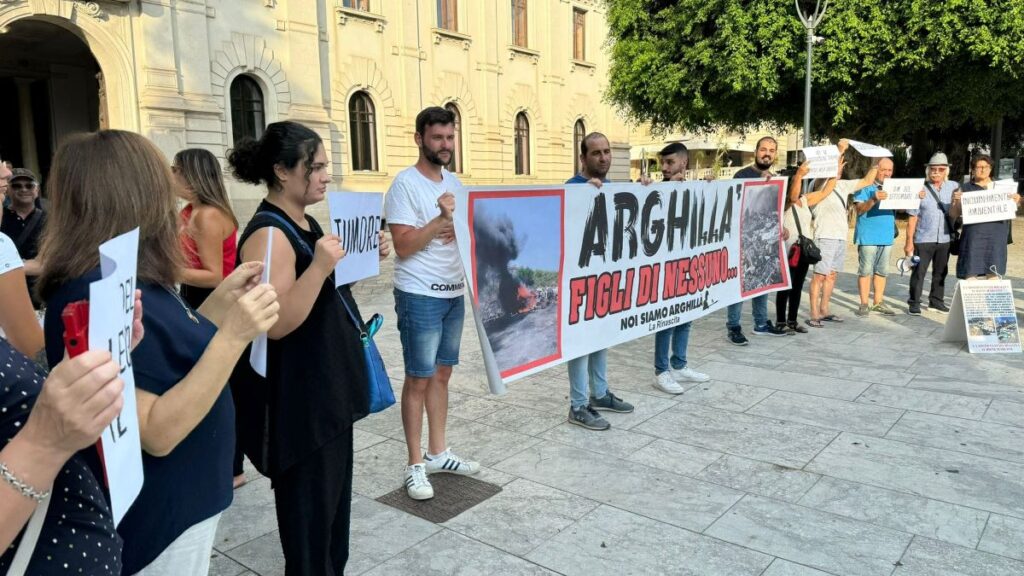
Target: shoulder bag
pixel 378 385
pixel 951 227
pixel 804 250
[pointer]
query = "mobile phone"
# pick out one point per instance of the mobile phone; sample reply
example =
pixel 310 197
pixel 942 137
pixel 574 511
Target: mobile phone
pixel 76 327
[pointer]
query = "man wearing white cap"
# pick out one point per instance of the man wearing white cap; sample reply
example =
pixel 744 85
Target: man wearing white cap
pixel 928 236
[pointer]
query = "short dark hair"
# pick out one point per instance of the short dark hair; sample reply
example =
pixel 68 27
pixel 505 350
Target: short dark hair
pixel 981 158
pixel 431 116
pixel 674 148
pixel 762 139
pixel 588 138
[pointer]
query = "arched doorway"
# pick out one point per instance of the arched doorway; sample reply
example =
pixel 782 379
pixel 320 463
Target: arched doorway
pixel 50 87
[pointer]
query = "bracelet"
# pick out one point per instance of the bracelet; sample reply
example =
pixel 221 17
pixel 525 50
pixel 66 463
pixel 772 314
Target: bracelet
pixel 26 490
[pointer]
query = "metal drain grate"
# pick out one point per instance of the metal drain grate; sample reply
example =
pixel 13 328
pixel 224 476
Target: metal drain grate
pixel 453 495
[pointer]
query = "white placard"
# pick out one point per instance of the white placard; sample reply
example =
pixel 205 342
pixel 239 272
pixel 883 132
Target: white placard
pixel 870 150
pixel 903 194
pixel 355 218
pixel 258 352
pixel 111 315
pixel 989 205
pixel 983 313
pixel 823 161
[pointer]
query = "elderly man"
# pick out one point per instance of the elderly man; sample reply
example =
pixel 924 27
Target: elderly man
pixel 928 236
pixel 873 235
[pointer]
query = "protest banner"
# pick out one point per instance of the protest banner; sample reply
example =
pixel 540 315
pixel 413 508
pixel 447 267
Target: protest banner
pixel 870 150
pixel 355 218
pixel 558 272
pixel 111 315
pixel 989 205
pixel 823 161
pixel 904 194
pixel 983 313
pixel 258 351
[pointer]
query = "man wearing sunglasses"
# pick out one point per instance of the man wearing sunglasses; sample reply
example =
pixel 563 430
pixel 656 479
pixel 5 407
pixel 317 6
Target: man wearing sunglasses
pixel 928 236
pixel 23 221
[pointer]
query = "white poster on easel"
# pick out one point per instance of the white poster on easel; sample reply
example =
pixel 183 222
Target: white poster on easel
pixel 983 314
pixel 111 316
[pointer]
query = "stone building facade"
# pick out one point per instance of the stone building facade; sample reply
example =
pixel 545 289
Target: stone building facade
pixel 526 79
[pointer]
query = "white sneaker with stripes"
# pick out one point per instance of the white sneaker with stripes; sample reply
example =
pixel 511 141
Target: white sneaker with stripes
pixel 416 483
pixel 449 462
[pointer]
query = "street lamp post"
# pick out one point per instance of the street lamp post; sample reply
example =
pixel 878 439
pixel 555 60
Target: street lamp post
pixel 810 21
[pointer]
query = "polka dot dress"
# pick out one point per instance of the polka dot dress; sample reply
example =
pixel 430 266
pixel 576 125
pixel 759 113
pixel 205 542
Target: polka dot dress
pixel 78 536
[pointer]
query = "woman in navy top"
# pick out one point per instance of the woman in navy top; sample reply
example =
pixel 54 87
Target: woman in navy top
pixel 983 246
pixel 116 181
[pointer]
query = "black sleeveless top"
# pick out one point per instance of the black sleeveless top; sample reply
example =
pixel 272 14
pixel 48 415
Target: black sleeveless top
pixel 316 376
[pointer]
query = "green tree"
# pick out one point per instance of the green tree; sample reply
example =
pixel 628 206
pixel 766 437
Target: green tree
pixel 912 71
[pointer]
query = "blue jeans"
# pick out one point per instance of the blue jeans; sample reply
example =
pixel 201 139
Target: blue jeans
pixel 430 330
pixel 759 307
pixel 587 377
pixel 679 337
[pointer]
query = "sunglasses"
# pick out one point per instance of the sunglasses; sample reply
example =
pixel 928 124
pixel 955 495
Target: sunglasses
pixel 23 186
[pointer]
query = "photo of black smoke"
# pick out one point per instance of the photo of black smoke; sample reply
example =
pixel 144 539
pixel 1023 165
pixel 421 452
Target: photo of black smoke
pixel 760 265
pixel 518 302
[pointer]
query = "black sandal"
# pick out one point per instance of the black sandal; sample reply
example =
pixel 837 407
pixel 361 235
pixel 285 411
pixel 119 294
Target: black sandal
pixel 815 323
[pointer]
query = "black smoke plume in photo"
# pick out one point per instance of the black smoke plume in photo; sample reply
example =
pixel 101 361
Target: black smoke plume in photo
pixel 496 246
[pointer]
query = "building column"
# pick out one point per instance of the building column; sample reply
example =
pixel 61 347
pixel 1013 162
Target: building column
pixel 29 156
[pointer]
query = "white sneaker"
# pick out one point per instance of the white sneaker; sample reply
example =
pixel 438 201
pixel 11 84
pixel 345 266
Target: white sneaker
pixel 687 374
pixel 666 383
pixel 416 483
pixel 450 463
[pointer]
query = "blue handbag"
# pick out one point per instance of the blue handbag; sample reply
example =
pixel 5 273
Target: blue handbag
pixel 378 385
pixel 379 392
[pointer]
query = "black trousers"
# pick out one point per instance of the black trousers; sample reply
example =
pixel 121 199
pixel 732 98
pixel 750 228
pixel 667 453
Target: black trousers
pixel 790 299
pixel 314 505
pixel 937 255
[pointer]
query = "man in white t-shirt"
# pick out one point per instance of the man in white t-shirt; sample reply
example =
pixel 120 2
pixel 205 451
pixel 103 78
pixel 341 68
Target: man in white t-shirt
pixel 429 283
pixel 831 231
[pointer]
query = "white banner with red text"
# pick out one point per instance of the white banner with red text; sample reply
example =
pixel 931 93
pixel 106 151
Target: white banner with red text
pixel 557 272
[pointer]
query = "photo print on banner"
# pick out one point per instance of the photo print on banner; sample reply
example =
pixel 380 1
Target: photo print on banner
pixel 517 275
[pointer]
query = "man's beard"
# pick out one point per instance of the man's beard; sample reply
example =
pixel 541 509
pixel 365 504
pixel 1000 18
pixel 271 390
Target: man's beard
pixel 596 172
pixel 760 166
pixel 435 157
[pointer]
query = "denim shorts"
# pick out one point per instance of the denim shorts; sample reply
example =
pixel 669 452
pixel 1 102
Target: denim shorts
pixel 873 260
pixel 833 253
pixel 431 331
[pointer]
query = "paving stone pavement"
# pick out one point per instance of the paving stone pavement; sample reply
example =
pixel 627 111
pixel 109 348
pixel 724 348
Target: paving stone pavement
pixel 863 448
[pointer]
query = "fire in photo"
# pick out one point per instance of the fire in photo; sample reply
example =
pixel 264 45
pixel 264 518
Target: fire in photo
pixel 517 245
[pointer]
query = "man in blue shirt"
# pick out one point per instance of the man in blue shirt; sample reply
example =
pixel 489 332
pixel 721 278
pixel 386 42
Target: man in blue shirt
pixel 928 237
pixel 873 236
pixel 589 373
pixel 764 158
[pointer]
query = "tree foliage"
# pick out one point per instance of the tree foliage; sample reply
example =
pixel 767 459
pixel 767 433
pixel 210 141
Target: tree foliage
pixel 886 71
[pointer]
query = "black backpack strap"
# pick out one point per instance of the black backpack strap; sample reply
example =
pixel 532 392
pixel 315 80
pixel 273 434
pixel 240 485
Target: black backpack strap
pixel 950 226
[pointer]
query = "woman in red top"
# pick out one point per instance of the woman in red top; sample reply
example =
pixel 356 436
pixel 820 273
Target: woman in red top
pixel 208 231
pixel 208 227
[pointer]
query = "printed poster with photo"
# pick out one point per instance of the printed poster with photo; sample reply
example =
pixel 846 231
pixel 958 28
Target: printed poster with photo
pixel 555 273
pixel 983 314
